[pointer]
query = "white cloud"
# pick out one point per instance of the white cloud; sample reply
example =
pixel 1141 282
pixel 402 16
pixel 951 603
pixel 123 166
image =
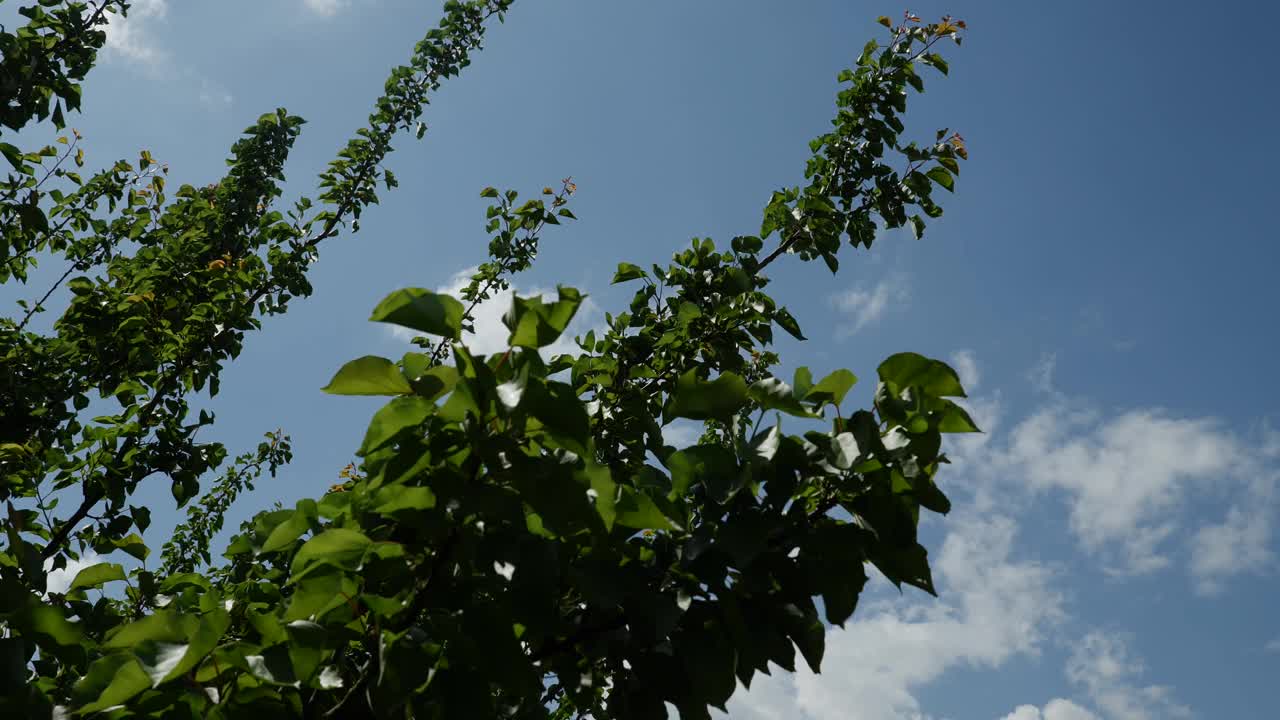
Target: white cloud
pixel 682 433
pixel 1041 376
pixel 57 581
pixel 132 37
pixel 865 307
pixel 214 96
pixel 1103 666
pixel 1057 709
pixel 1127 477
pixel 327 8
pixel 1240 543
pixel 993 608
pixel 965 363
pixel 491 335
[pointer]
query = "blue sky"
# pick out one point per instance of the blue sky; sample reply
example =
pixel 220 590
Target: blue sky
pixel 1102 277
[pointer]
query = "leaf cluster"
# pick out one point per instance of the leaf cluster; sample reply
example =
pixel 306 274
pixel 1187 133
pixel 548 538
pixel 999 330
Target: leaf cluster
pixel 518 538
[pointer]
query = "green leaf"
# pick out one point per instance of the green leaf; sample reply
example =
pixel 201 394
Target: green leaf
pixel 627 271
pixel 698 399
pixel 163 626
pixel 931 497
pixel 737 281
pixel 563 416
pixel 201 636
pixel 48 621
pixel 318 593
pixel 338 547
pixel 774 394
pixel 934 377
pixel 844 450
pixel 909 564
pixel 788 322
pixel 802 381
pixel 603 492
pixel 306 647
pixel 831 557
pixel 422 310
pixel 712 466
pixel 688 312
pixel 397 415
pixel 935 60
pixel 638 511
pixel 806 630
pixel 181 580
pixel 110 681
pixel 13 155
pixel 292 528
pixel 709 659
pixel 96 576
pixel 13 666
pixel 943 178
pixel 369 375
pixel 955 419
pixel 534 323
pixel 832 388
pixel 274 666
pixel 400 498
pixel 431 383
pixel 133 545
pixel 917 226
pixel 747 244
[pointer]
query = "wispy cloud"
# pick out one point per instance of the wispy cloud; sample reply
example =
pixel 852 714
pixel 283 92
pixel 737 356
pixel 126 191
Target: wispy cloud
pixel 1273 646
pixel 327 8
pixel 863 307
pixel 214 96
pixel 1041 375
pixel 1104 667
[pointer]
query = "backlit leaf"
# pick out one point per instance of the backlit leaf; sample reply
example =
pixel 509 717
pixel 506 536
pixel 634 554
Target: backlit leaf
pixel 369 375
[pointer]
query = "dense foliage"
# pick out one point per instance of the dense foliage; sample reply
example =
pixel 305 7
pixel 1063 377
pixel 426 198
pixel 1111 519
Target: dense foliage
pixel 518 539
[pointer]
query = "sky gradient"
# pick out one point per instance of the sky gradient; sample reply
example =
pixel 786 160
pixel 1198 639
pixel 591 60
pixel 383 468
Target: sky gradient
pixel 1103 278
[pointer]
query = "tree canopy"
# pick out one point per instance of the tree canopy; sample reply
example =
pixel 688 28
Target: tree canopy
pixel 518 539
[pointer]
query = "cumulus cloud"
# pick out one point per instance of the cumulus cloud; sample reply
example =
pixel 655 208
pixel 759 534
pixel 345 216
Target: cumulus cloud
pixel 1057 709
pixel 1125 479
pixel 965 363
pixel 57 581
pixel 1240 543
pixel 994 607
pixel 1127 476
pixel 1102 664
pixel 491 335
pixel 864 307
pixel 132 38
